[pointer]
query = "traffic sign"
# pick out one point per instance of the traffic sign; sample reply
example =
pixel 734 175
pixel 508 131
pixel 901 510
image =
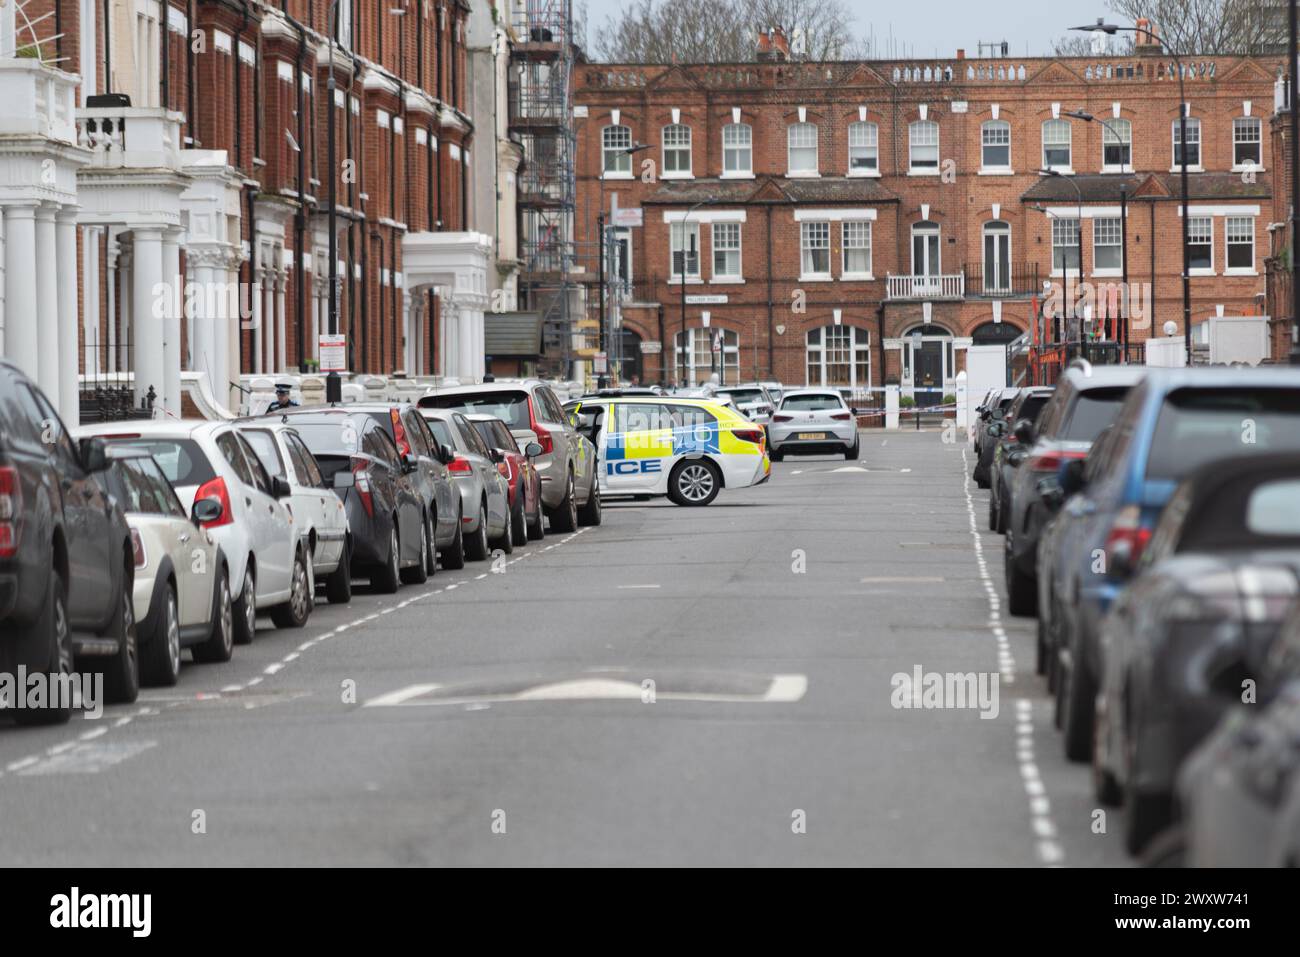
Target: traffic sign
pixel 333 353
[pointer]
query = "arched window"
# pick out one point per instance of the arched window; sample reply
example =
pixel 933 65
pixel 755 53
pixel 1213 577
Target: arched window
pixel 995 145
pixel 1056 144
pixel 677 149
pixel 615 142
pixel 737 149
pixel 801 140
pixel 923 146
pixel 703 359
pixel 864 149
pixel 997 257
pixel 839 357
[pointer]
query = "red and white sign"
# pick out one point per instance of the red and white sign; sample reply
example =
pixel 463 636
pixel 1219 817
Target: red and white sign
pixel 333 353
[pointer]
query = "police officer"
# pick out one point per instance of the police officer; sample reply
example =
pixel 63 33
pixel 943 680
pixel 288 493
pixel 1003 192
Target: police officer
pixel 282 400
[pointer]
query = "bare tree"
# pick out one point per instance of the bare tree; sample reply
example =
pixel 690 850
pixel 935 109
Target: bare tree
pixel 1081 44
pixel 1212 26
pixel 718 31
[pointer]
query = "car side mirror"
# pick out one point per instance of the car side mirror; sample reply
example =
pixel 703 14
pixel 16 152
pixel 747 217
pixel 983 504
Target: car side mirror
pixel 1016 458
pixel 280 487
pixel 445 454
pixel 497 456
pixel 1051 495
pixel 532 450
pixel 93 454
pixel 206 510
pixel 409 463
pixel 1024 432
pixel 1071 478
pixel 345 478
pixel 997 430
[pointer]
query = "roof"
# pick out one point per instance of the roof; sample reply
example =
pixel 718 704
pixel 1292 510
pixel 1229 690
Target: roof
pixel 1105 187
pixel 769 190
pixel 512 334
pixel 143 428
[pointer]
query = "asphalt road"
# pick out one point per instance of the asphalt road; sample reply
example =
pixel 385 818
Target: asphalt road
pixel 506 717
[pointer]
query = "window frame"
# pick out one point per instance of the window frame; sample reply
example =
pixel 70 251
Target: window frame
pixel 1237 123
pixel 745 149
pixel 791 146
pixel 994 126
pixel 806 230
pixel 863 225
pixel 684 229
pixel 914 127
pixel 1193 130
pixel 1228 268
pixel 1112 222
pixel 1058 123
pixel 1111 139
pixel 1065 268
pixel 619 152
pixel 676 149
pixel 1208 244
pixel 871 133
pixel 738 275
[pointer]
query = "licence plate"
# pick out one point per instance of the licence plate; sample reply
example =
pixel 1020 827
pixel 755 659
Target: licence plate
pixel 812 435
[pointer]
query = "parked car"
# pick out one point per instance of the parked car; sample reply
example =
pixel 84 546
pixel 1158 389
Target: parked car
pixel 388 533
pixel 813 422
pixel 1195 625
pixel 1010 450
pixel 751 400
pixel 567 465
pixel 317 511
pixel 182 584
pixel 992 415
pixel 484 491
pixel 526 519
pixel 67 568
pixel 1085 401
pixel 267 560
pixel 1173 422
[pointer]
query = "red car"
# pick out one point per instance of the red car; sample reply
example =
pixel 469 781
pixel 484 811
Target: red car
pixel 526 519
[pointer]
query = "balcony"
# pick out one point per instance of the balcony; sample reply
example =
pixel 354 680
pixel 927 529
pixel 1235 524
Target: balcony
pixel 938 286
pixel 1010 281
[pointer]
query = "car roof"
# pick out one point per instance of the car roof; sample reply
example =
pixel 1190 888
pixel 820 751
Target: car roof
pixel 1225 377
pixel 151 429
pixel 823 391
pixel 515 386
pixel 1104 376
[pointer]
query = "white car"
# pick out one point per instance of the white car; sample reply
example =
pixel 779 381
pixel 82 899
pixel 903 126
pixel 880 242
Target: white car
pixel 268 562
pixel 317 511
pixel 813 422
pixel 182 584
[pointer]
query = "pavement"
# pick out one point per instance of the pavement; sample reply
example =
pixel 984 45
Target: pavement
pixel 677 686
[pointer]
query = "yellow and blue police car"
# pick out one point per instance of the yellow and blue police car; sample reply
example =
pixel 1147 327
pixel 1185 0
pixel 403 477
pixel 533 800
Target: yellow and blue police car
pixel 688 449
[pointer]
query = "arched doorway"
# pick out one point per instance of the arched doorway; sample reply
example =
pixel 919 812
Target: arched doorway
pixel 928 363
pixel 630 371
pixel 994 334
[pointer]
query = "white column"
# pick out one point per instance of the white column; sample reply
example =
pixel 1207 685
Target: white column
pixel 480 345
pixel 203 324
pixel 171 262
pixel 146 328
pixel 22 344
pixel 94 346
pixel 451 338
pixel 281 318
pixel 47 303
pixel 468 364
pixel 227 324
pixel 259 320
pixel 65 237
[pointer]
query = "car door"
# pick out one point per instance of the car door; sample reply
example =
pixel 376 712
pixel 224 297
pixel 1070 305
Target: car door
pixel 327 510
pixel 303 504
pixel 426 464
pixel 259 516
pixel 494 483
pixel 283 531
pixel 568 442
pixel 192 551
pixel 640 447
pixel 447 496
pixel 87 510
pixel 401 491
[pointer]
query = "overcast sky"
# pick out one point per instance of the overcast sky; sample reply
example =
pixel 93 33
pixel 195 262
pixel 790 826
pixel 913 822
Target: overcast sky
pixel 940 27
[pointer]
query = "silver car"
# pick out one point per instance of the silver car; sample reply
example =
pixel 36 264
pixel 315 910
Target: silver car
pixel 570 494
pixel 813 422
pixel 484 491
pixel 751 400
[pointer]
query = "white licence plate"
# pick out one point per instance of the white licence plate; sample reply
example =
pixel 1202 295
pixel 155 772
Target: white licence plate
pixel 812 435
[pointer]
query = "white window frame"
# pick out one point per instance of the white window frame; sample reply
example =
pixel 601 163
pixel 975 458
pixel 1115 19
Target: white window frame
pixel 1194 137
pixel 997 127
pixel 814 232
pixel 1068 143
pixel 868 146
pixel 743 147
pixel 1109 138
pixel 996 228
pixel 1239 123
pixel 679 234
pixel 676 148
pixel 861 240
pixel 699 341
pixel 799 130
pixel 859 346
pixel 1228 268
pixel 1111 222
pixel 1192 224
pixel 620 154
pixel 913 128
pixel 719 232
pixel 1059 234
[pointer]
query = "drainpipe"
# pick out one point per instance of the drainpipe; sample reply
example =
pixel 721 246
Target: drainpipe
pixel 377 235
pixel 189 74
pixel 300 221
pixel 164 12
pixel 108 46
pixel 771 305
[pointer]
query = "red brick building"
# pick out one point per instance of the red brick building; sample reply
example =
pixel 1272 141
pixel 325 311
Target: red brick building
pixel 828 214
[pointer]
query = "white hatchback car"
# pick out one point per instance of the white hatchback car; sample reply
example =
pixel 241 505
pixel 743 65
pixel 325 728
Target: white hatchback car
pixel 268 561
pixel 319 513
pixel 813 422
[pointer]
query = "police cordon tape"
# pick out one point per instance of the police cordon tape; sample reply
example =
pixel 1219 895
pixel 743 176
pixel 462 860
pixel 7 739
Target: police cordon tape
pixel 876 413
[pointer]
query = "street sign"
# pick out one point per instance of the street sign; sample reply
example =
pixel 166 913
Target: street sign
pixel 601 363
pixel 333 353
pixel 628 216
pixel 650 347
pixel 706 300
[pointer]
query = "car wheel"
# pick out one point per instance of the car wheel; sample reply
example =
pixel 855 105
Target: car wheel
pixel 564 518
pixel 246 609
pixel 537 524
pixel 1078 708
pixel 453 557
pixel 776 456
pixel 519 522
pixel 1003 509
pixel 694 482
pixel 338 587
pixel 1145 814
pixel 476 549
pixel 590 513
pixel 851 455
pixel 160 655
pixel 221 642
pixel 386 577
pixel 1105 786
pixel 51 639
pixel 418 573
pixel 1040 648
pixel 1022 589
pixel 122 671
pixel 431 553
pixel 506 541
pixel 993 513
pixel 295 612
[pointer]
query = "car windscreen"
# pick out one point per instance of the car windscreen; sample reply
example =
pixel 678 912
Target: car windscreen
pixel 510 407
pixel 1198 425
pixel 1094 409
pixel 182 460
pixel 441 432
pixel 744 395
pixel 811 403
pixel 337 435
pixel 1032 407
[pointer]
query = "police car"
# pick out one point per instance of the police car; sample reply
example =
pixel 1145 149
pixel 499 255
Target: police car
pixel 687 449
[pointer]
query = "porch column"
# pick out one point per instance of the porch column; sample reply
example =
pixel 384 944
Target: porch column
pixel 21 341
pixel 65 237
pixel 468 361
pixel 171 263
pixel 146 340
pixel 92 343
pixel 258 321
pixel 275 296
pixel 47 303
pixel 204 321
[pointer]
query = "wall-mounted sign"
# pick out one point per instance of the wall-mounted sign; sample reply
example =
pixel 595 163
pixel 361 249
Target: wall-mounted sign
pixel 625 217
pixel 706 300
pixel 651 347
pixel 333 353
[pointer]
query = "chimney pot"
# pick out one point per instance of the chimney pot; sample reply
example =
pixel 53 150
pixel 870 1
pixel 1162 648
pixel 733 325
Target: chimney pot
pixel 961 54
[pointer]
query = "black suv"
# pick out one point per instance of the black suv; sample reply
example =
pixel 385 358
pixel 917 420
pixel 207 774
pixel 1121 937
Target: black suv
pixel 66 560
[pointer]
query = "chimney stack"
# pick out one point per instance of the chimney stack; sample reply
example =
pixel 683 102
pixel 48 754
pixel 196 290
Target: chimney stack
pixel 961 54
pixel 780 43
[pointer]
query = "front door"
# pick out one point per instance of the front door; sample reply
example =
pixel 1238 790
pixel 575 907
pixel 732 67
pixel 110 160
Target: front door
pixel 928 373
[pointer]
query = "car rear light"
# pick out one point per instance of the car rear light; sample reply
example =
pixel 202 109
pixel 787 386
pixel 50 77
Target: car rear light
pixel 399 433
pixel 841 416
pixel 1127 538
pixel 749 435
pixel 11 511
pixel 361 483
pixel 460 466
pixel 137 549
pixel 782 417
pixel 504 468
pixel 216 488
pixel 543 435
pixel 1052 461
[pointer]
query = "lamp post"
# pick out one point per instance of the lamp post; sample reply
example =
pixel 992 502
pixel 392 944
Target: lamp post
pixel 1065 274
pixel 1111 29
pixel 1294 113
pixel 682 276
pixel 333 382
pixel 600 230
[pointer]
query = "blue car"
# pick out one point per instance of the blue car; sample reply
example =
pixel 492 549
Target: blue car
pixel 1173 422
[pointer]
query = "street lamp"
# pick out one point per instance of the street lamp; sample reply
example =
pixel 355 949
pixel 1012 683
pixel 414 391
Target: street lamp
pixel 333 382
pixel 1065 275
pixel 1111 29
pixel 682 277
pixel 600 229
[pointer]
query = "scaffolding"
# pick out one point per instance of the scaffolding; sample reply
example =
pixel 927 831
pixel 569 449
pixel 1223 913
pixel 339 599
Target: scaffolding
pixel 541 121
